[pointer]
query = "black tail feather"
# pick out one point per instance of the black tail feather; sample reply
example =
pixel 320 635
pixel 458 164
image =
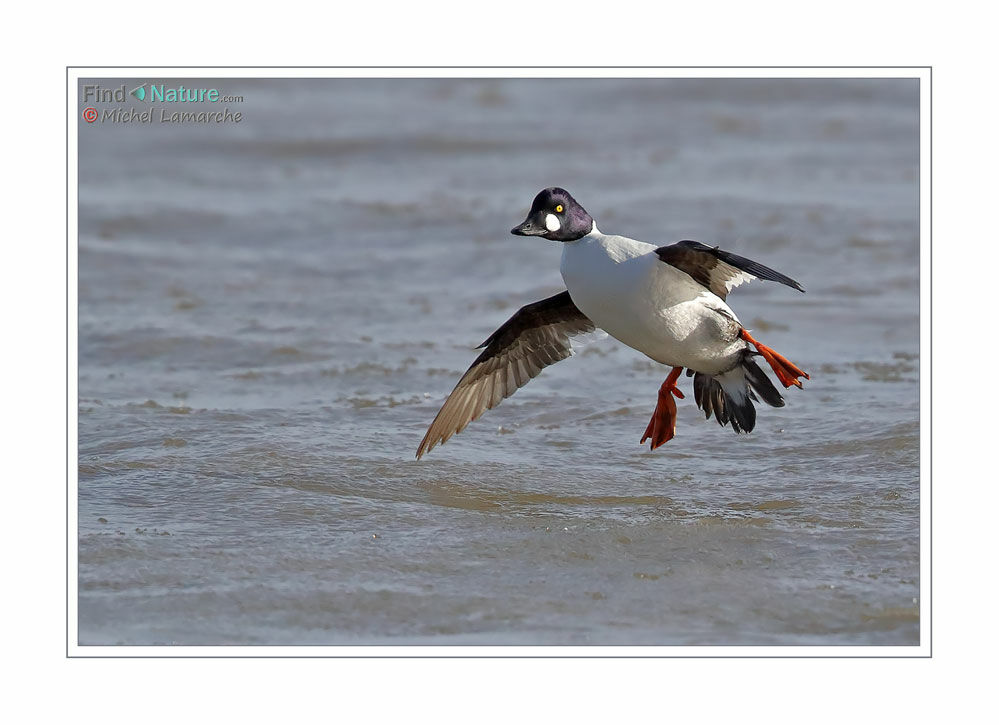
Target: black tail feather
pixel 760 383
pixel 734 405
pixel 711 397
pixel 741 416
pixel 703 396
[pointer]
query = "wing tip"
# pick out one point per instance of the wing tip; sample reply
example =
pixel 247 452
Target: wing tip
pixel 772 275
pixel 429 441
pixel 424 448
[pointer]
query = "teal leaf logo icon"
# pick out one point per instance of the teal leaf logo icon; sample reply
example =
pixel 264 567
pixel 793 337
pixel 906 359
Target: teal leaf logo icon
pixel 139 92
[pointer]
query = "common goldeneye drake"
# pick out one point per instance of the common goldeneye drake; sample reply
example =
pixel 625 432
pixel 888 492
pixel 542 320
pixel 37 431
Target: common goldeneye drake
pixel 667 302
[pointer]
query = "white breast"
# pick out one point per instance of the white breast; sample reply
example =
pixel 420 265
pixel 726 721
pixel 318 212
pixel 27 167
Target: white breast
pixel 623 286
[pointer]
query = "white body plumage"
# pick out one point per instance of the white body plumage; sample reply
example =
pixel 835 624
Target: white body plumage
pixel 653 307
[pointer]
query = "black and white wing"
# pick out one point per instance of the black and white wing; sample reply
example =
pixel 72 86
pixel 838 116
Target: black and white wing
pixel 716 269
pixel 535 337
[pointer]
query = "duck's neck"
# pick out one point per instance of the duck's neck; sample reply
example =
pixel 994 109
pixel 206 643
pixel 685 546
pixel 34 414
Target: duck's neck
pixel 594 232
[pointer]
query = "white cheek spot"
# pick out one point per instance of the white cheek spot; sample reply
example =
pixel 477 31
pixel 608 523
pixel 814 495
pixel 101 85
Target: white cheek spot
pixel 552 223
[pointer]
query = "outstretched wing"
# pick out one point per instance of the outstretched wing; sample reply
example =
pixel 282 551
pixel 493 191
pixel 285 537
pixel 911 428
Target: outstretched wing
pixel 716 269
pixel 535 337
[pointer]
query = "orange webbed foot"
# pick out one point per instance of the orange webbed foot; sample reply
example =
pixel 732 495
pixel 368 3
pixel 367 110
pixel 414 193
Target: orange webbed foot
pixel 785 370
pixel 662 426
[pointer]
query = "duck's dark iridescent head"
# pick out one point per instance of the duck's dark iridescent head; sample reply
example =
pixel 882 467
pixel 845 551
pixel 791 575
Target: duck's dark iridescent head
pixel 557 216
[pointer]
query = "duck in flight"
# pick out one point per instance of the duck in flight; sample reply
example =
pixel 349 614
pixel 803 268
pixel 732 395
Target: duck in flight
pixel 666 302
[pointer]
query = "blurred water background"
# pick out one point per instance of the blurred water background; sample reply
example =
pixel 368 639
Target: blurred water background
pixel 272 311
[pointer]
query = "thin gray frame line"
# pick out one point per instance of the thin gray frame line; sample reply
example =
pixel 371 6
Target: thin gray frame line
pixel 930 472
pixel 437 67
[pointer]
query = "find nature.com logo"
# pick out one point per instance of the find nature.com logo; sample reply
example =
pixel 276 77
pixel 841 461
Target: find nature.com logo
pixel 158 93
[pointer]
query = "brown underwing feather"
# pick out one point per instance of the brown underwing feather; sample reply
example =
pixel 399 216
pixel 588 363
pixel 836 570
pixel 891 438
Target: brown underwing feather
pixel 717 269
pixel 535 337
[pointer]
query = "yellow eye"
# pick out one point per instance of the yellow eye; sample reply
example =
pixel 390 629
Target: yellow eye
pixel 559 208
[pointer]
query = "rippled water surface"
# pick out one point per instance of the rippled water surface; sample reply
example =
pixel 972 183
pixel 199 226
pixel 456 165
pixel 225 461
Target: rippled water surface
pixel 271 313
